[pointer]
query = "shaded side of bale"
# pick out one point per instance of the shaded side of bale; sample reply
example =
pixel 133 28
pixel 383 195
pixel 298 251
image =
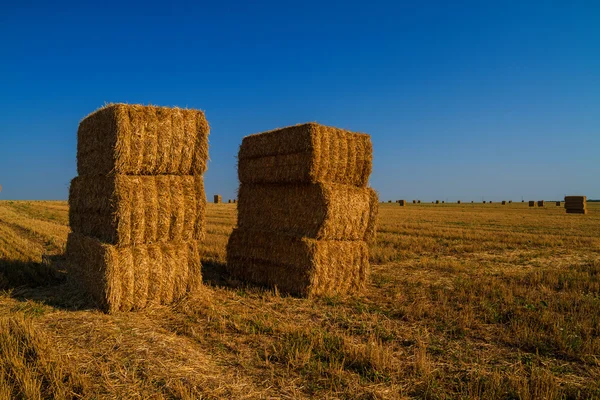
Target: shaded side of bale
pixel 531 203
pixel 317 211
pixel 299 266
pixel 130 210
pixel 414 202
pixel 217 199
pixel 540 203
pixel 458 202
pixel 142 140
pixel 308 153
pixel 402 203
pixel 134 277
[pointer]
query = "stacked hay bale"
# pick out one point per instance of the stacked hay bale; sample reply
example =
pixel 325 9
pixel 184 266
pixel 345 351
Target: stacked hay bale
pixel 576 204
pixel 540 203
pixel 305 213
pixel 531 203
pixel 402 203
pixel 217 199
pixel 137 208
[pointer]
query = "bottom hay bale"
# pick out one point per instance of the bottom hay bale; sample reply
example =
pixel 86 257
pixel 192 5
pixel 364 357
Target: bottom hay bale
pixel 134 277
pixel 298 266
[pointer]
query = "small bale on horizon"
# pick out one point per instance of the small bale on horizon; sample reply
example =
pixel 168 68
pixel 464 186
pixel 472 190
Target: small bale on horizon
pixel 217 199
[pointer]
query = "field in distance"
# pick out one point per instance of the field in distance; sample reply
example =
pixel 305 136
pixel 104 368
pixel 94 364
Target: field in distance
pixel 464 301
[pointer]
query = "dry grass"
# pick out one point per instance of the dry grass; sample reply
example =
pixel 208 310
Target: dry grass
pixel 464 301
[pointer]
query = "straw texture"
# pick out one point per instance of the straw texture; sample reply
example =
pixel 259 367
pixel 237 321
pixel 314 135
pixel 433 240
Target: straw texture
pixel 142 140
pixel 130 210
pixel 319 211
pixel 299 266
pixel 308 153
pixel 131 278
pixel 575 204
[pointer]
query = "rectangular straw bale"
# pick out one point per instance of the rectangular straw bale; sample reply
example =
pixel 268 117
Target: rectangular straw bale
pixel 558 204
pixel 299 266
pixel 128 210
pixel 318 211
pixel 308 153
pixel 134 277
pixel 142 140
pixel 503 202
pixel 540 203
pixel 402 203
pixel 531 203
pixel 217 199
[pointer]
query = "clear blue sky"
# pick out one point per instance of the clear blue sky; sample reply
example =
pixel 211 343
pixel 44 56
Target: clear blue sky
pixel 499 99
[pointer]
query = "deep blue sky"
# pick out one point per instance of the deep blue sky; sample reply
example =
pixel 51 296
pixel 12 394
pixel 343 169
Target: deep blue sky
pixel 499 99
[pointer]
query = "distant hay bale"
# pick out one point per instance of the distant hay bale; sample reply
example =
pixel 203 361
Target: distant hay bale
pixel 576 204
pixel 142 140
pixel 414 202
pixel 234 201
pixel 299 266
pixel 418 201
pixel 402 203
pixel 134 277
pixel 510 202
pixel 437 202
pixel 503 202
pixel 443 202
pixel 217 198
pixel 130 210
pixel 308 153
pixel 490 202
pixel 229 201
pixel 558 204
pixel 540 203
pixel 484 202
pixel 472 202
pixel 317 211
pixel 458 202
pixel 531 203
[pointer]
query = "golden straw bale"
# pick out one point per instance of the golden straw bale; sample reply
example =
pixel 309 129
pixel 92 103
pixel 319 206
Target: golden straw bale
pixel 217 199
pixel 307 153
pixel 318 211
pixel 142 140
pixel 540 203
pixel 134 277
pixel 299 266
pixel 130 210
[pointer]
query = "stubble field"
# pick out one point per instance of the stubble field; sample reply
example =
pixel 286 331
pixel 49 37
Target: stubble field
pixel 464 301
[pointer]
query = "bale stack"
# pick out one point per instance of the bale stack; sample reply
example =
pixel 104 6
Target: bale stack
pixel 531 203
pixel 576 204
pixel 137 208
pixel 540 203
pixel 305 213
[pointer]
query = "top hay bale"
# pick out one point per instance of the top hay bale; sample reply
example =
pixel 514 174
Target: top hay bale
pixel 142 140
pixel 307 153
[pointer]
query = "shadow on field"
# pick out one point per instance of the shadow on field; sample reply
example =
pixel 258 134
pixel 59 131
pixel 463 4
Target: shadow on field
pixel 45 282
pixel 214 273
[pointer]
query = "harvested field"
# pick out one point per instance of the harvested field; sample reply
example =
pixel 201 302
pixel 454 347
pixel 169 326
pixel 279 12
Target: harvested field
pixel 319 211
pixel 463 301
pixel 129 210
pixel 133 139
pixel 308 153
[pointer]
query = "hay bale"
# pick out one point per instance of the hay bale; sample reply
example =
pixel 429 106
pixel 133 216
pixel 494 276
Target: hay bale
pixel 558 204
pixel 437 202
pixel 484 202
pixel 418 201
pixel 531 203
pixel 503 202
pixel 414 202
pixel 510 202
pixel 129 210
pixel 229 201
pixel 318 211
pixel 458 202
pixel 134 277
pixel 576 204
pixel 217 199
pixel 443 202
pixel 308 153
pixel 298 266
pixel 402 203
pixel 540 203
pixel 142 140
